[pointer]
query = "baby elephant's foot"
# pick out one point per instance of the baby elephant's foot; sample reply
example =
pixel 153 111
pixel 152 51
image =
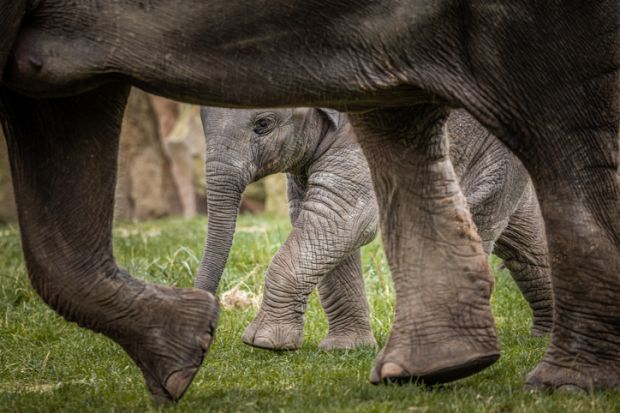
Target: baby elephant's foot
pixel 168 337
pixel 347 341
pixel 267 333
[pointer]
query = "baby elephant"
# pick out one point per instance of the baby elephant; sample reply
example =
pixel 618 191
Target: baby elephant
pixel 332 209
pixel 333 212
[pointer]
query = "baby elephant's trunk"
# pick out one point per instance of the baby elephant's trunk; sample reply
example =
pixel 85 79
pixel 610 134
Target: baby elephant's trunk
pixel 224 189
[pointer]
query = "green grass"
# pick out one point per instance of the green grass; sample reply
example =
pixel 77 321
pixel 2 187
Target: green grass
pixel 47 364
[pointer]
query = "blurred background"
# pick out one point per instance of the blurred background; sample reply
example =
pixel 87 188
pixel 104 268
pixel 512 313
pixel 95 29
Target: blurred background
pixel 161 166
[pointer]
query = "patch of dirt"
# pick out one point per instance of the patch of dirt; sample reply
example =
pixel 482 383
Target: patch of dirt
pixel 237 299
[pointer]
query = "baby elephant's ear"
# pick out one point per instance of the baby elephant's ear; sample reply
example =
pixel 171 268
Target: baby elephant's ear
pixel 333 116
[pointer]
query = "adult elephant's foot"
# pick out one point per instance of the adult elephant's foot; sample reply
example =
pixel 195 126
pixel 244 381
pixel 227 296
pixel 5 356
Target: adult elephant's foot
pixel 435 362
pixel 560 372
pixel 168 336
pixel 576 376
pixel 439 352
pixel 443 325
pixel 348 340
pixel 274 334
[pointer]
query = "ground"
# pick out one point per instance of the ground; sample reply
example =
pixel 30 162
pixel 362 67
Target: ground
pixel 47 364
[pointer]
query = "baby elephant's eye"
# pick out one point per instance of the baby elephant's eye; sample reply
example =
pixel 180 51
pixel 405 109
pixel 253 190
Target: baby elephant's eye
pixel 264 124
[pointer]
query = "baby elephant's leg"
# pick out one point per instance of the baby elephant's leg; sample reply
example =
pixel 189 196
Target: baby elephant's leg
pixel 312 250
pixel 523 247
pixel 344 300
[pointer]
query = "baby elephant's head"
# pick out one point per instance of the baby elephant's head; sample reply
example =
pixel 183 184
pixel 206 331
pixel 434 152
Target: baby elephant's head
pixel 245 145
pixel 258 142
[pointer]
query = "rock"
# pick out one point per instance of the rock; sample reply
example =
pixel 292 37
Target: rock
pixel 237 299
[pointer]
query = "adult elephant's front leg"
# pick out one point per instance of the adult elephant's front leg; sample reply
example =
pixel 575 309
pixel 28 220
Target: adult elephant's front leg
pixel 63 156
pixel 443 326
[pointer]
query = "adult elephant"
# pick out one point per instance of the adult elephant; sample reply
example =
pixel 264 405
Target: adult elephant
pixel 541 76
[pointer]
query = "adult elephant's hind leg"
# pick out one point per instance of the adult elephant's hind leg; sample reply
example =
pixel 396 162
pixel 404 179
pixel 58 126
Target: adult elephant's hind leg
pixel 443 327
pixel 579 194
pixel 63 156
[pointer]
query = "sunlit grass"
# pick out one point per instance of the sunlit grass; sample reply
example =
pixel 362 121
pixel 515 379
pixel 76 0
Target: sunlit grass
pixel 47 364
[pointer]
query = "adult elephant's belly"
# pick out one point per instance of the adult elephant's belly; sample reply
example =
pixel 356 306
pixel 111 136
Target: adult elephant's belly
pixel 50 60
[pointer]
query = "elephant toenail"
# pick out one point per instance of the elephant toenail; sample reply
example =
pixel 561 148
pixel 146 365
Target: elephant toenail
pixel 393 370
pixel 205 341
pixel 375 377
pixel 177 382
pixel 571 389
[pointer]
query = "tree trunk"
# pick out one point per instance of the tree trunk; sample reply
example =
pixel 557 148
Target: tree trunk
pixel 7 201
pixel 184 142
pixel 145 188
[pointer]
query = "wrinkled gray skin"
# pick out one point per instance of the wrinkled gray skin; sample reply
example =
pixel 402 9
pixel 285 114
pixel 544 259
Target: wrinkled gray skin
pixel 333 211
pixel 332 208
pixel 503 205
pixel 541 76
